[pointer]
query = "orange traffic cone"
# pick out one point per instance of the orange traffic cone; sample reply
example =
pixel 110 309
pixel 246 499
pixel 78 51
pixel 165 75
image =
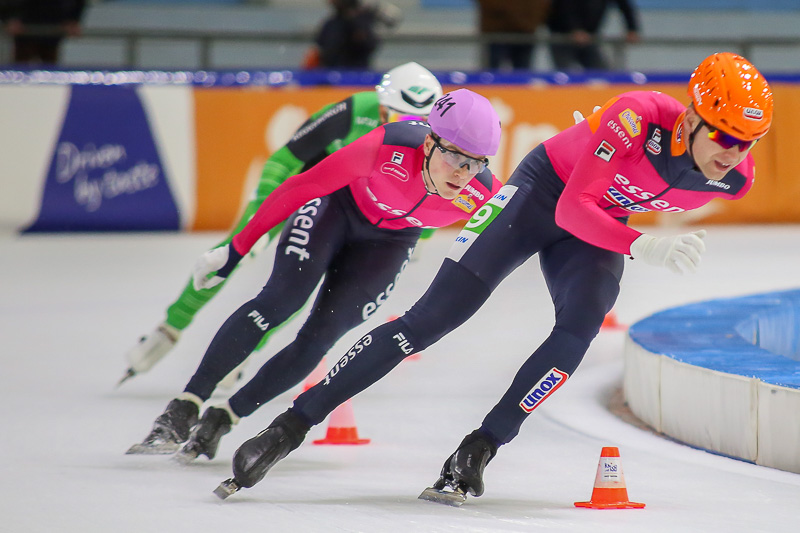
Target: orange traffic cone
pixel 609 484
pixel 342 427
pixel 412 357
pixel 610 321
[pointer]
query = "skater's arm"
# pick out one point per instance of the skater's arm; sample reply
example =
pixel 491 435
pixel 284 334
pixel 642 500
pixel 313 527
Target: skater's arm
pixel 310 143
pixel 332 173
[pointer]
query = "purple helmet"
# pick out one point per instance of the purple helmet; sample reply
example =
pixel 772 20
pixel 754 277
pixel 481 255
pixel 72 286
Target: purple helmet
pixel 467 120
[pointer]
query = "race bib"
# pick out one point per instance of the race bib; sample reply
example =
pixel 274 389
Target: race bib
pixel 480 221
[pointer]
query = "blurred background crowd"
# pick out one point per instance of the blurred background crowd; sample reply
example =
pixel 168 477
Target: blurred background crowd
pixel 505 35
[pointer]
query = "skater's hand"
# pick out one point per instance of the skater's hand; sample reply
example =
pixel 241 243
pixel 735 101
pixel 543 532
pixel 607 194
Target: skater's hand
pixel 220 262
pixel 680 253
pixel 578 117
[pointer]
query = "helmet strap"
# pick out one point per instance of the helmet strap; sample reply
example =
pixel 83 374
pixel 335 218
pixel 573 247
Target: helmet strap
pixel 427 168
pixel 692 137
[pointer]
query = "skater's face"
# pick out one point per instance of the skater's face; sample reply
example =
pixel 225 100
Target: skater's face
pixel 713 152
pixel 449 168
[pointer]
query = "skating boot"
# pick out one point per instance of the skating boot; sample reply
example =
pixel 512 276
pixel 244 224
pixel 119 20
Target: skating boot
pixel 255 457
pixel 171 428
pixel 462 472
pixel 205 437
pixel 150 349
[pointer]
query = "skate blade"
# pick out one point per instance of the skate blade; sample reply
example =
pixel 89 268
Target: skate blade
pixel 128 375
pixel 164 448
pixel 453 498
pixel 226 488
pixel 186 457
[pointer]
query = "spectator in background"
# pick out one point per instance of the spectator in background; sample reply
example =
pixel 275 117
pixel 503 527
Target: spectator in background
pixel 349 37
pixel 39 26
pixel 578 23
pixel 520 17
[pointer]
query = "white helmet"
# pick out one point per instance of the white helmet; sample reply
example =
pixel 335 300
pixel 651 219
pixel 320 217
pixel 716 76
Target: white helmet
pixel 409 89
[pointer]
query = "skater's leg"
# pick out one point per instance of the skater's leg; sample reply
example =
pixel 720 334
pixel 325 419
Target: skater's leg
pixel 365 363
pixel 481 257
pixel 359 280
pixel 301 259
pixel 462 284
pixel 584 283
pixel 453 297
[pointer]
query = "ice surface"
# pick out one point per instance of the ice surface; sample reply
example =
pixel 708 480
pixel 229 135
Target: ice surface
pixel 70 306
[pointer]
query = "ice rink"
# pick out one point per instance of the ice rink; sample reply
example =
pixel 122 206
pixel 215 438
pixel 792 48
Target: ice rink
pixel 71 306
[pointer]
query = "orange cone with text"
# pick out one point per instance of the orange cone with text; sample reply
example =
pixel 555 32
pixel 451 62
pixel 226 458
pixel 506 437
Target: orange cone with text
pixel 609 484
pixel 342 427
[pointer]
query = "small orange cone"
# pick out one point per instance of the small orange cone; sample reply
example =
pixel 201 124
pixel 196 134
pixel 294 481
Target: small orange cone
pixel 609 484
pixel 610 321
pixel 412 357
pixel 342 427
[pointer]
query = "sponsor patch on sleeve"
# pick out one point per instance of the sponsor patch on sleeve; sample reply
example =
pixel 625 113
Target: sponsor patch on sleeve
pixel 605 151
pixel 631 121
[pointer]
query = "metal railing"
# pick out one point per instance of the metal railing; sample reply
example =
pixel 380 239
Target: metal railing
pixel 131 39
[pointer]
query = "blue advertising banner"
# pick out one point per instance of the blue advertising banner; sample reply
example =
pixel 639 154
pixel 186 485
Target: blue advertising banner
pixel 106 174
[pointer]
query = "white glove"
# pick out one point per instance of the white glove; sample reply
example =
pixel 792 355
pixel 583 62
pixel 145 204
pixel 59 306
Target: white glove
pixel 680 253
pixel 221 260
pixel 578 116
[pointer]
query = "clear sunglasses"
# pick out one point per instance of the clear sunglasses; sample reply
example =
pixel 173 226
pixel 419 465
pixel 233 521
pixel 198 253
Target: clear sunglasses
pixel 458 160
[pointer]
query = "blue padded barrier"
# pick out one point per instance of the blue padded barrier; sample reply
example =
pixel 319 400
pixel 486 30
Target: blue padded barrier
pixel 754 336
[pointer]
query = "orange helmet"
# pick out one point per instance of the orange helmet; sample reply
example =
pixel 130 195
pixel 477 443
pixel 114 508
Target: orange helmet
pixel 730 95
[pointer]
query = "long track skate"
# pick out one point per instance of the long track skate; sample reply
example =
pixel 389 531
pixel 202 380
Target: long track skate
pixel 444 493
pixel 227 488
pixel 156 443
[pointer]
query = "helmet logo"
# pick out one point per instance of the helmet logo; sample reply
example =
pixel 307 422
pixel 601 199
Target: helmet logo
pixel 407 98
pixel 752 113
pixel 444 102
pixel 697 96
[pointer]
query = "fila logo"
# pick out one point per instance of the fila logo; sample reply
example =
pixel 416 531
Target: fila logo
pixel 605 151
pixel 542 390
pixel 752 113
pixel 258 320
pixel 403 343
pixel 397 157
